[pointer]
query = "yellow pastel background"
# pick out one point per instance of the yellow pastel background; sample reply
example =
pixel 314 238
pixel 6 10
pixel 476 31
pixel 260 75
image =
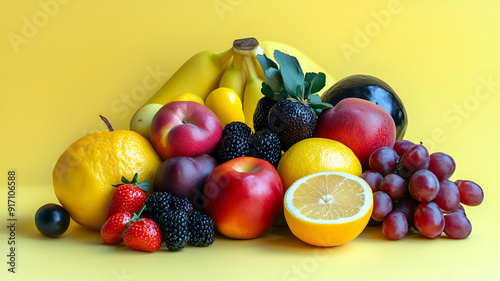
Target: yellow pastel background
pixel 62 63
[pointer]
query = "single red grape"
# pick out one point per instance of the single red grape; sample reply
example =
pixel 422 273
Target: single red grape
pixel 441 165
pixel 372 178
pixel 471 194
pixel 394 186
pixel 395 225
pixel 383 160
pixel 461 209
pixel 382 205
pixel 414 159
pixel 448 197
pixel 407 205
pixel 457 225
pixel 428 219
pixel 423 186
pixel 401 146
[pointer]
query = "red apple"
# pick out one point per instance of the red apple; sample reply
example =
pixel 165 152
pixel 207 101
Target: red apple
pixel 243 196
pixel 359 124
pixel 185 128
pixel 185 177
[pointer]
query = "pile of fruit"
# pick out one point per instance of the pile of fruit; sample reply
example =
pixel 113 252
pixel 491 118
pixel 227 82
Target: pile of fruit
pixel 234 139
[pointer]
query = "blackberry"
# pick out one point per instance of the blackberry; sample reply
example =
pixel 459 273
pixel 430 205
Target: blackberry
pixel 262 112
pixel 266 145
pixel 236 128
pixel 201 228
pixel 161 202
pixel 180 204
pixel 174 226
pixel 292 121
pixel 232 146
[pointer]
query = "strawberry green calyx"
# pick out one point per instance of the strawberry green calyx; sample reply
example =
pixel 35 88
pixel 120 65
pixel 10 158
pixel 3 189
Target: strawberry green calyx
pixel 135 218
pixel 289 82
pixel 144 185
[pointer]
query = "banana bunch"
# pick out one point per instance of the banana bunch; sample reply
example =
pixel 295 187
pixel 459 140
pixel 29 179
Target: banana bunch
pixel 236 68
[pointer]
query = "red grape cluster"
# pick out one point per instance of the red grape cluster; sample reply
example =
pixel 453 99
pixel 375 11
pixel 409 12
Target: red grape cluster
pixel 412 189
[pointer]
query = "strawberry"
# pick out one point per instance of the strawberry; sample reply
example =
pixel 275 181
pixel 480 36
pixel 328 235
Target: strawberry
pixel 129 196
pixel 112 229
pixel 142 234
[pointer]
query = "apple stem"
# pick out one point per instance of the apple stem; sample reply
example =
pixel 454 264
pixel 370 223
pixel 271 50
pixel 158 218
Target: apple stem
pixel 110 128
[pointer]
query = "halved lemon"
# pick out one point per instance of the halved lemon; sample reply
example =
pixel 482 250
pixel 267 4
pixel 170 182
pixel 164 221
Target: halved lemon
pixel 328 208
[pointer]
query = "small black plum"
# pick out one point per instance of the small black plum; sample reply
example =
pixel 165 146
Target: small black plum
pixel 52 220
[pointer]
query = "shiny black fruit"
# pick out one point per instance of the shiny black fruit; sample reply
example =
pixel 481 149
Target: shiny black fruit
pixel 373 89
pixel 52 220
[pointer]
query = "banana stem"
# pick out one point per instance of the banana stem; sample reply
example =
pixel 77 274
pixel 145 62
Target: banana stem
pixel 238 62
pixel 221 58
pixel 247 46
pixel 252 73
pixel 249 43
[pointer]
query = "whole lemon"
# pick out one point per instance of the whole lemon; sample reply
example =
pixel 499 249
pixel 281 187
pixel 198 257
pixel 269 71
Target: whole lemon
pixel 226 104
pixel 314 155
pixel 84 174
pixel 189 97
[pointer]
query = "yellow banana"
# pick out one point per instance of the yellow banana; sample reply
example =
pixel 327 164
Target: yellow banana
pixel 199 75
pixel 235 76
pixel 306 63
pixel 252 93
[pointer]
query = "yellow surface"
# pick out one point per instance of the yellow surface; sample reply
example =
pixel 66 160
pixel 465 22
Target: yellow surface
pixel 63 63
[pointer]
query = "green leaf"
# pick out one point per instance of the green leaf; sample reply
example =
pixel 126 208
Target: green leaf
pixel 316 104
pixel 266 62
pixel 266 90
pixel 324 105
pixel 279 96
pixel 290 71
pixel 299 91
pixel 321 105
pixel 274 79
pixel 309 77
pixel 318 82
pixel 315 99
